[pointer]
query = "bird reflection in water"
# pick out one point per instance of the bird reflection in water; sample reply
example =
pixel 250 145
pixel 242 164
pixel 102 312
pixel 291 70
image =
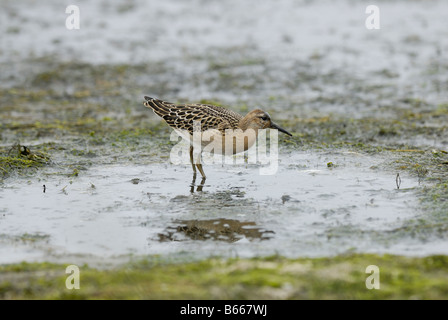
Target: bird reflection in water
pixel 227 230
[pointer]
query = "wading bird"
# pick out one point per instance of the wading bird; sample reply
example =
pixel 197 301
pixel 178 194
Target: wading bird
pixel 215 124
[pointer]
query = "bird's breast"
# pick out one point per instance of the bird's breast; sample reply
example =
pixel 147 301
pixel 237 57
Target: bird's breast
pixel 227 143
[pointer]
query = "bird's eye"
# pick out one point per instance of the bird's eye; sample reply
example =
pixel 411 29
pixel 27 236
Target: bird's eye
pixel 264 118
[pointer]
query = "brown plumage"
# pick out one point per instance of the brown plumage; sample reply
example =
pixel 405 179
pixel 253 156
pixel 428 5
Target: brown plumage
pixel 183 116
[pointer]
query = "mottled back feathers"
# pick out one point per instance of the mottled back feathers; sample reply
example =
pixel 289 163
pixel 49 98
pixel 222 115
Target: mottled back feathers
pixel 181 116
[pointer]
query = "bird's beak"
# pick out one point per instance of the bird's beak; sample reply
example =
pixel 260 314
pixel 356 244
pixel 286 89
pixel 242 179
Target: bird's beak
pixel 274 126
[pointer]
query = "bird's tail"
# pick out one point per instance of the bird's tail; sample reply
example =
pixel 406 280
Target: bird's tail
pixel 160 108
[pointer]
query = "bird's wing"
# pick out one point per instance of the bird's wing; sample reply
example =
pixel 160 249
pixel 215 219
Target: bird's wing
pixel 182 116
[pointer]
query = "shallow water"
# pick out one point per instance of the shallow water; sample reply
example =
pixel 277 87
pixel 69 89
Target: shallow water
pixel 306 209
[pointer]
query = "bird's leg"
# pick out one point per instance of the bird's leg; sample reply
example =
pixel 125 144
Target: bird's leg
pixel 201 171
pixel 199 166
pixel 193 183
pixel 201 185
pixel 191 160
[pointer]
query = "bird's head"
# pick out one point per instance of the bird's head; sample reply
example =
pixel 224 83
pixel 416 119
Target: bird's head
pixel 259 119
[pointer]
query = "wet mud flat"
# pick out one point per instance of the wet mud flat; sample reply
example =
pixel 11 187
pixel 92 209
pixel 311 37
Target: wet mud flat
pixel 319 203
pixel 152 209
pixel 365 172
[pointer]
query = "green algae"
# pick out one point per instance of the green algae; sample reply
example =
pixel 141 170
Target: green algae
pixel 340 277
pixel 29 238
pixel 20 159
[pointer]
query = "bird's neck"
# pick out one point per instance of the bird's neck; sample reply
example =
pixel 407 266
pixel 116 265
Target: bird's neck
pixel 244 124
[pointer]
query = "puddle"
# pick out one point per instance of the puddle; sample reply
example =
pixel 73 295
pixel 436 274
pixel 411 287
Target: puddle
pixel 306 209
